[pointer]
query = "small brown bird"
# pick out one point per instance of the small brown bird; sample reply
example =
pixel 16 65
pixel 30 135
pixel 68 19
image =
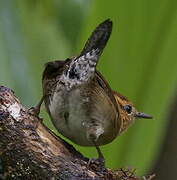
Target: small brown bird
pixel 80 102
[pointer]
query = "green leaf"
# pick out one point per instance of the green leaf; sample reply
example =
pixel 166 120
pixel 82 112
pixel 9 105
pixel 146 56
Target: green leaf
pixel 139 62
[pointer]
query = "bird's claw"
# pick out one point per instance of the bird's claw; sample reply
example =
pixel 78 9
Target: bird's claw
pixel 97 164
pixel 34 111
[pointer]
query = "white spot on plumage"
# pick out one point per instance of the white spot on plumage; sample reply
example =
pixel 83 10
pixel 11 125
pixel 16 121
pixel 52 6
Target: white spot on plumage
pixel 81 69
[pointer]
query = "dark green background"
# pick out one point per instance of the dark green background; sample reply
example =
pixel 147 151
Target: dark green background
pixel 140 60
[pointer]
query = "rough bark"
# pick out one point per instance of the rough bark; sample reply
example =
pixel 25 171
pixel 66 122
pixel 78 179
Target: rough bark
pixel 29 150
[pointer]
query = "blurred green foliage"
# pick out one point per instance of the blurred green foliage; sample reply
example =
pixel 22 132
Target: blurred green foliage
pixel 139 61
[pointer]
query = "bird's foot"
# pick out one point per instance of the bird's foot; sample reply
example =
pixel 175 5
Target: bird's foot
pixel 98 164
pixel 34 111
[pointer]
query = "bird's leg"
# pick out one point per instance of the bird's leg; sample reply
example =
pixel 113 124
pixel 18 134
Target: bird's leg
pixel 98 164
pixel 94 130
pixel 100 159
pixel 36 109
pixel 100 154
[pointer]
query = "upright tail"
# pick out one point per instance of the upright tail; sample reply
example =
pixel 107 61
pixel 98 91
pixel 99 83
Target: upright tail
pixel 82 68
pixel 99 37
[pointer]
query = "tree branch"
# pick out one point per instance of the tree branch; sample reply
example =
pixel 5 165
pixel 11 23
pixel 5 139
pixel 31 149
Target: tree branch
pixel 29 150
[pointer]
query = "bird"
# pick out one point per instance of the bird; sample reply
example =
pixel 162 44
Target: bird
pixel 80 102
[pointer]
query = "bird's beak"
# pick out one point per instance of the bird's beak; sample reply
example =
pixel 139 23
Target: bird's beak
pixel 143 115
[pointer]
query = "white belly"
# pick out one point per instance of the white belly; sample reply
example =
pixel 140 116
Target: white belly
pixel 68 115
pixel 71 117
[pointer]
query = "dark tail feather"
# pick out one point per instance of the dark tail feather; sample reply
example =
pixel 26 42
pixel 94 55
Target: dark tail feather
pixel 99 37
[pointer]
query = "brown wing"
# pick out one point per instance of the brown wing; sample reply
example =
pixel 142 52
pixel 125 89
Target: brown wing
pixel 104 85
pixel 105 89
pixel 104 108
pixel 52 70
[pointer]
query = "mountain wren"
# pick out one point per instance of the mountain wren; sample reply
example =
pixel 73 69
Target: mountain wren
pixel 80 102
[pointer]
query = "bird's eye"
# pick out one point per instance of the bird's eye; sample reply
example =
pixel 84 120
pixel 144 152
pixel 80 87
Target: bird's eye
pixel 128 109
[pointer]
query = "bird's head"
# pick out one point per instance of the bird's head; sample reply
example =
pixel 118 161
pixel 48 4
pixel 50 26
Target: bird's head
pixel 128 112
